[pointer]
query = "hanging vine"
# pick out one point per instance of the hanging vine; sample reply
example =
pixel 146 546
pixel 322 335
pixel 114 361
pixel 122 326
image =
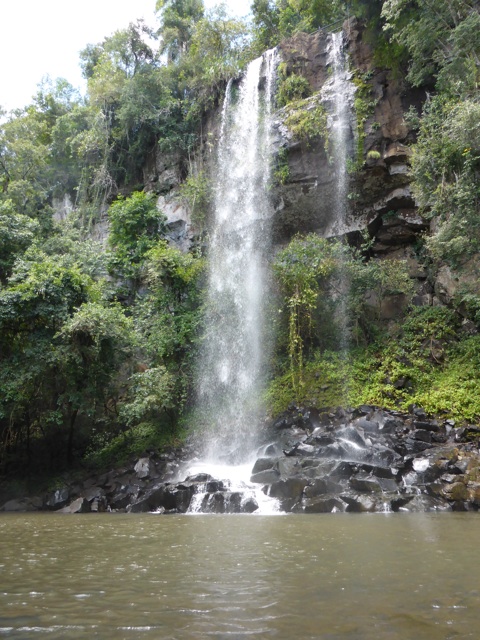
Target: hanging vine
pixel 300 267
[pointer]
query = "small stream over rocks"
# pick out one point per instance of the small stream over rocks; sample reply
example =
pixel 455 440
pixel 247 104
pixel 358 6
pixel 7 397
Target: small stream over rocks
pixel 363 460
pixel 311 461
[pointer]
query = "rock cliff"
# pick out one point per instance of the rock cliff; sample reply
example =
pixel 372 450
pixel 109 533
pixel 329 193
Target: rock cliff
pixel 379 197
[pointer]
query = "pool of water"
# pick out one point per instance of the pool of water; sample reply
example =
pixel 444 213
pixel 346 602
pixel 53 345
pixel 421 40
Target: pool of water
pixel 342 576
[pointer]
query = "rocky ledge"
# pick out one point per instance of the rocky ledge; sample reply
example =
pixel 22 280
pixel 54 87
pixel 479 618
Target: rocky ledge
pixel 312 461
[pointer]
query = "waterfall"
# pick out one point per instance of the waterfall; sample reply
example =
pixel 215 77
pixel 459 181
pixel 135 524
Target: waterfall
pixel 232 356
pixel 338 95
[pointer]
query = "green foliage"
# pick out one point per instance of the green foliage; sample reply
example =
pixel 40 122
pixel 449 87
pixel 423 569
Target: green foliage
pixel 442 39
pixel 24 161
pixel 299 268
pixel 445 168
pixel 70 239
pixel 135 226
pixel 178 22
pixel 42 292
pixel 17 232
pixel 325 384
pixel 424 365
pixel 91 347
pixel 325 289
pixel 274 20
pixel 216 52
pixel 377 279
pixel 197 191
pixel 133 442
pixel 35 152
pixel 364 105
pixel 305 15
pixel 168 318
pixel 291 89
pixel 151 392
pixel 266 16
pixel 307 120
pixel 41 296
pixel 282 171
pixel 132 96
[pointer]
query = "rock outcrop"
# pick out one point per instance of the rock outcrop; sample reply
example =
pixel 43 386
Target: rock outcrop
pixel 362 460
pixel 370 460
pixel 379 184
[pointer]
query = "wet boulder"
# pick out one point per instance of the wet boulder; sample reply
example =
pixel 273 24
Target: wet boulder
pixel 163 495
pixel 359 503
pixel 123 496
pixel 423 503
pixel 322 486
pixel 265 477
pixel 322 505
pixel 80 505
pixel 456 492
pixel 58 498
pixel 263 471
pixel 292 488
pixel 342 470
pixel 365 484
pixel 142 468
pixel 14 505
pixel 249 505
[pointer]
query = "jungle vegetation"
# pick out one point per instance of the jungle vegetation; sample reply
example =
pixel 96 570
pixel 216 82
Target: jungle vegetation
pixel 98 339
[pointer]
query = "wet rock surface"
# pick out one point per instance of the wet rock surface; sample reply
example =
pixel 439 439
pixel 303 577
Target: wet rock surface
pixel 311 461
pixel 371 460
pixel 380 197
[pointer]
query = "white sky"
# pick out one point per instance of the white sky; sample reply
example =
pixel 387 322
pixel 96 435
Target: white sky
pixel 44 37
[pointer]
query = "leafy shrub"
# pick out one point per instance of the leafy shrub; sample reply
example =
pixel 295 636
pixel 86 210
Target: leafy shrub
pixel 197 191
pixel 135 441
pixel 307 119
pixel 135 226
pixel 291 89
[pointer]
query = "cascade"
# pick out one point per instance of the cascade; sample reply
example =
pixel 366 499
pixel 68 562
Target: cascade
pixel 232 357
pixel 338 96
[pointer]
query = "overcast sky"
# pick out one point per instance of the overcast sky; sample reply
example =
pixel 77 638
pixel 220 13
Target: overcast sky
pixel 40 37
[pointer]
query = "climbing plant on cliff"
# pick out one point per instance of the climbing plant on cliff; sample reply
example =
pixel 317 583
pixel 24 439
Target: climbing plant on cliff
pixel 301 269
pixel 135 226
pixel 444 45
pixel 278 19
pixel 178 19
pixel 446 166
pixel 333 298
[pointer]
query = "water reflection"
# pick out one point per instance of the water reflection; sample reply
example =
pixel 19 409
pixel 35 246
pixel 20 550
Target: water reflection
pixel 333 577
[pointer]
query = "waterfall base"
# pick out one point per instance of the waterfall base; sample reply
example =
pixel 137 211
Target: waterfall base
pixel 210 488
pixel 363 460
pixel 311 461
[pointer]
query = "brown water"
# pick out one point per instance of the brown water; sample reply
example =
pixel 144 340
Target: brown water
pixel 368 577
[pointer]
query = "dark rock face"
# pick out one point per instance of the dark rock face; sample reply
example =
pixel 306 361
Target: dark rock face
pixel 380 185
pixel 369 460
